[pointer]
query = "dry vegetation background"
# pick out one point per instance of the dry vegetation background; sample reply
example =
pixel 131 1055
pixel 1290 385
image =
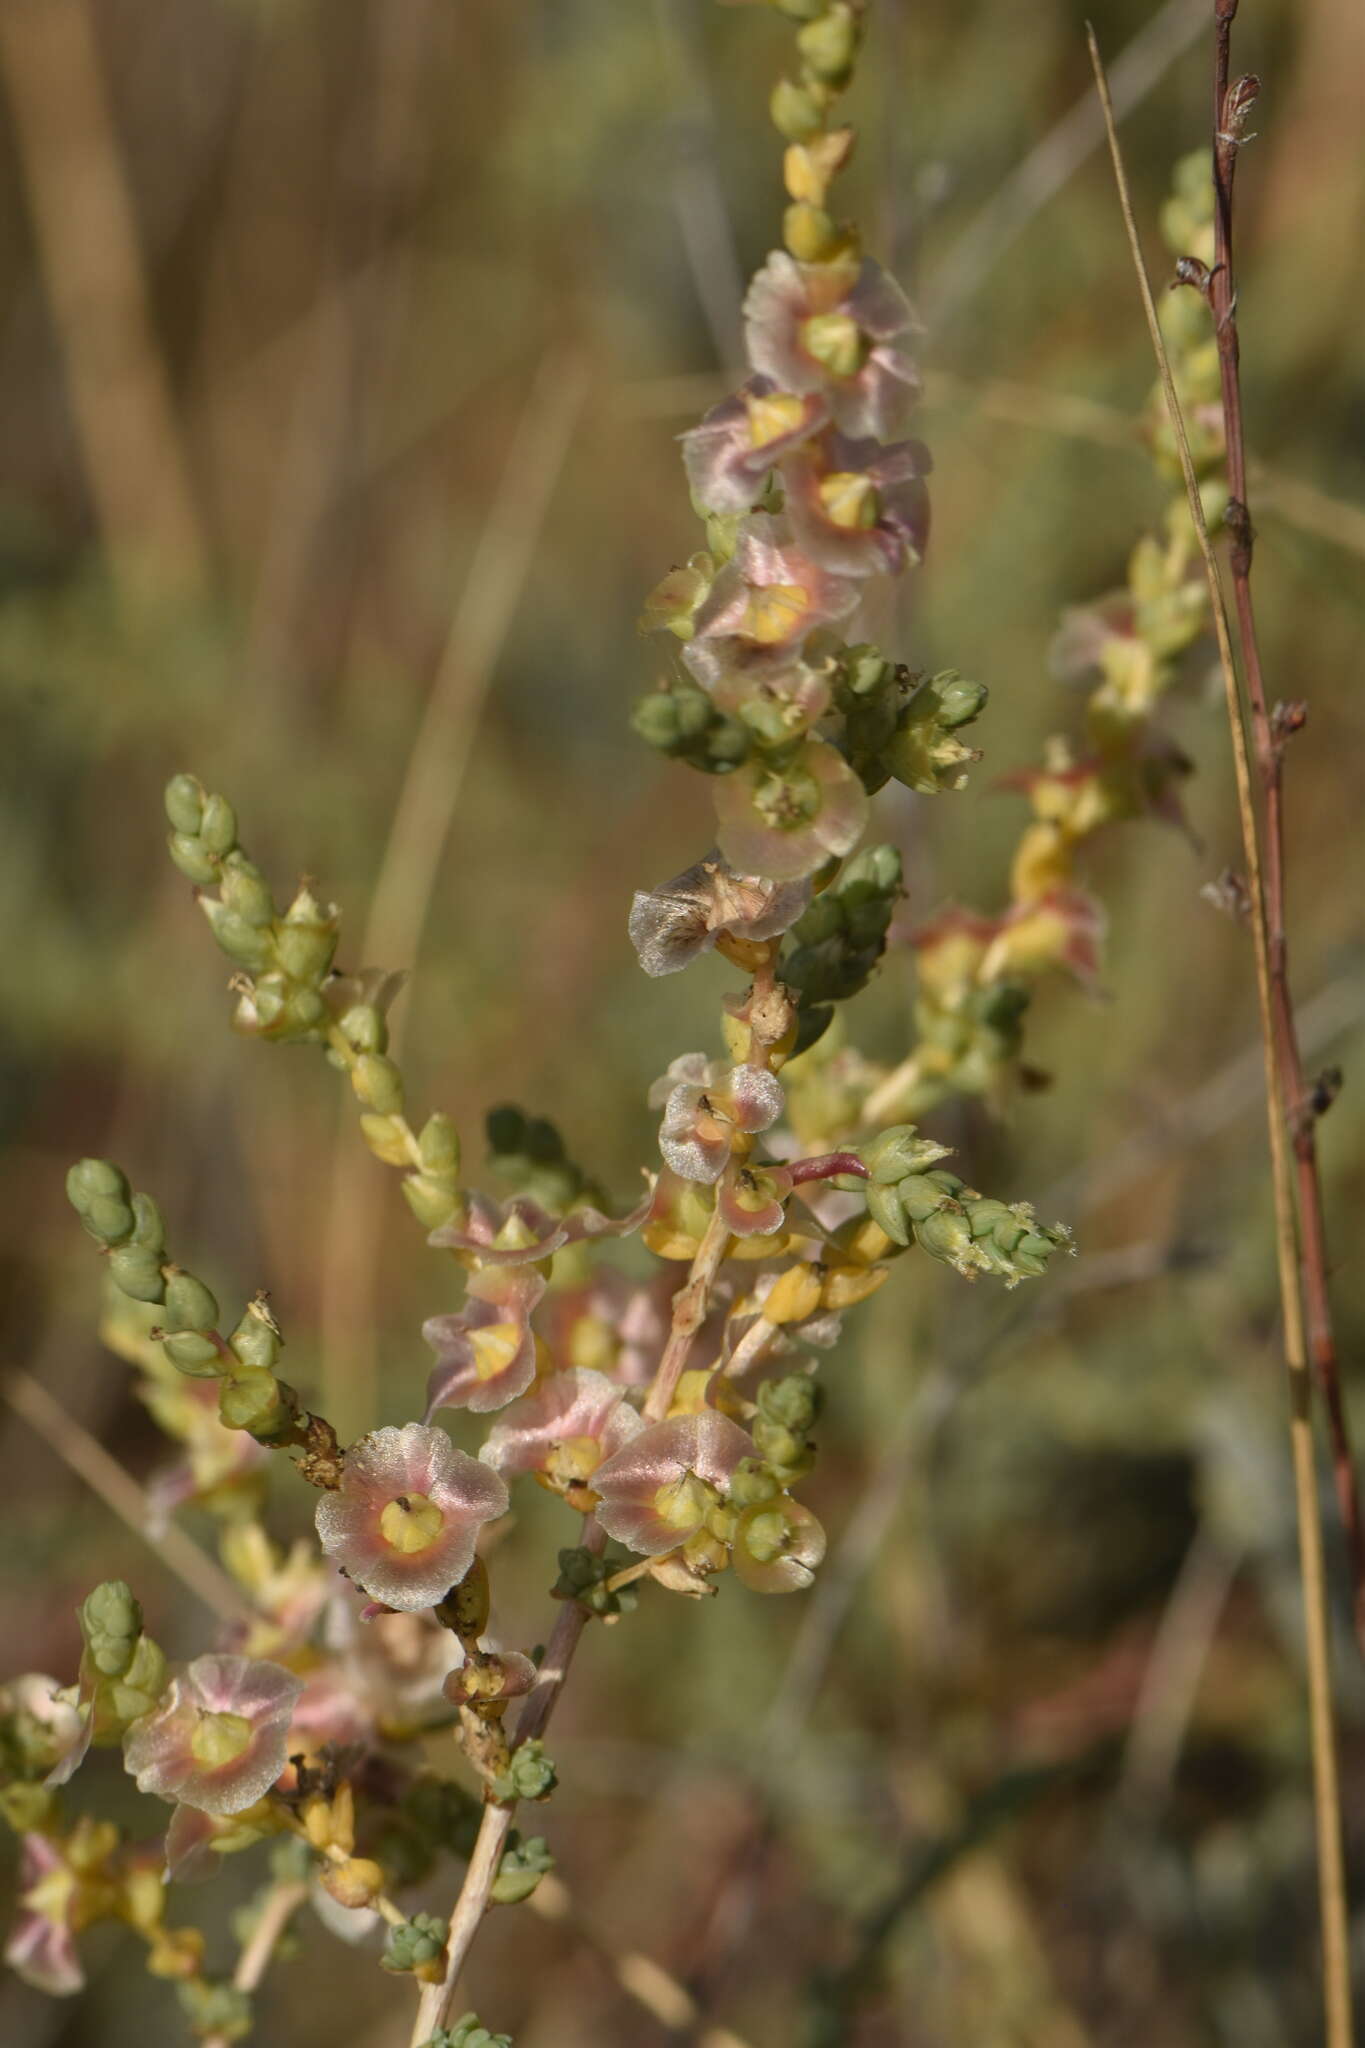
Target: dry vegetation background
pixel 342 348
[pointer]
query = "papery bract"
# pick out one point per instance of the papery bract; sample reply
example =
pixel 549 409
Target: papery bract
pixel 729 455
pixel 763 604
pixel 672 924
pixel 857 508
pixel 778 1546
pixel 520 1232
pixel 565 1428
pixel 830 327
pixel 706 1102
pixel 788 821
pixel 41 1946
pixel 219 1739
pixel 486 1354
pixel 658 1490
pixel 404 1520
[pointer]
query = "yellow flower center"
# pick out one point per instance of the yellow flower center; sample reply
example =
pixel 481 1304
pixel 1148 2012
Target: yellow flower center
pixel 775 612
pixel 683 1502
pixel 411 1523
pixel 495 1346
pixel 574 1459
pixel 220 1739
pixel 850 500
pixel 770 418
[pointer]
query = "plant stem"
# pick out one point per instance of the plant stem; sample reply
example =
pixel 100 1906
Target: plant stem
pixel 437 1999
pixel 690 1304
pixel 1268 741
pixel 1326 1791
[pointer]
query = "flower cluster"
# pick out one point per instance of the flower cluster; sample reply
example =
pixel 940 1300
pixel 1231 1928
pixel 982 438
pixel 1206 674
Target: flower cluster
pixel 672 1423
pixel 976 973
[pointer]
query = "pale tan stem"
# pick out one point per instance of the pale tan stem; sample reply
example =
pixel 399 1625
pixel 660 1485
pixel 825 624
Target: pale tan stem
pixel 884 1101
pixel 437 2000
pixel 253 1962
pixel 87 241
pixel 1326 1789
pixel 690 1304
pixel 120 1492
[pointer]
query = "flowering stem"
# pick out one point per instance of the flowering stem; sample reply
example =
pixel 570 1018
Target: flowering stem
pixel 1326 1790
pixel 279 1909
pixel 437 1999
pixel 690 1304
pixel 1268 741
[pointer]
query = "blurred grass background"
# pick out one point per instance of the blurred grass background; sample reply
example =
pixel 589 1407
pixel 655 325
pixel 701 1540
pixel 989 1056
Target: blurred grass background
pixel 342 351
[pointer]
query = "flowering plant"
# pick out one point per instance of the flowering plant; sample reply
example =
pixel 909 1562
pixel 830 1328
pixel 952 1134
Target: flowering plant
pixel 361 1719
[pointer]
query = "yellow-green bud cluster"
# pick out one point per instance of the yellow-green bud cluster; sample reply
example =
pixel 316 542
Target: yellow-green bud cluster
pixel 524 1863
pixel 956 1224
pixel 682 721
pixel 836 943
pixel 583 1576
pixel 529 1774
pixel 417 1945
pixel 124 1669
pixel 467 2033
pixel 287 956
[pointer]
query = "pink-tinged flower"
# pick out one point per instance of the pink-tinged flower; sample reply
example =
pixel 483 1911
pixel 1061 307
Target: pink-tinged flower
pixel 787 822
pixel 41 1947
pixel 769 596
pixel 1092 639
pixel 520 1233
pixel 671 925
pixel 753 1199
pixel 1065 928
pixel 776 704
pixel 49 1726
pixel 189 1846
pixel 327 1711
pixel 857 508
pixel 404 1520
pixel 490 1675
pixel 660 1489
pixel 830 327
pixel 485 1355
pixel 730 455
pixel 705 1104
pixel 950 949
pixel 778 1546
pixel 219 1739
pixel 563 1430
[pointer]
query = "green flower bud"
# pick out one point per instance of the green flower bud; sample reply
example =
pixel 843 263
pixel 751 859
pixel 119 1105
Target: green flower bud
pixel 439 1144
pixel 919 1196
pixel 877 867
pixel 431 1202
pixel 523 1865
pixel 378 1084
pixel 796 114
pixel 189 1304
pixel 149 1231
pixel 92 1177
pixel 251 1400
pixel 946 1236
pixel 781 1447
pixel 414 1942
pixel 136 1271
pixel 304 1010
pixel 829 45
pixel 793 1401
pixel 197 1357
pixel 111 1622
pixel 751 1484
pixel 184 800
pixel 887 1210
pixel 256 1339
pixel 218 826
pixel 244 943
pixel 364 1028
pixel 529 1775
pixel 467 2033
pixel 246 892
pixel 191 859
pixel 109 1219
pixel 136 1691
pixel 582 1577
pixel 305 951
pixel 899 1151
